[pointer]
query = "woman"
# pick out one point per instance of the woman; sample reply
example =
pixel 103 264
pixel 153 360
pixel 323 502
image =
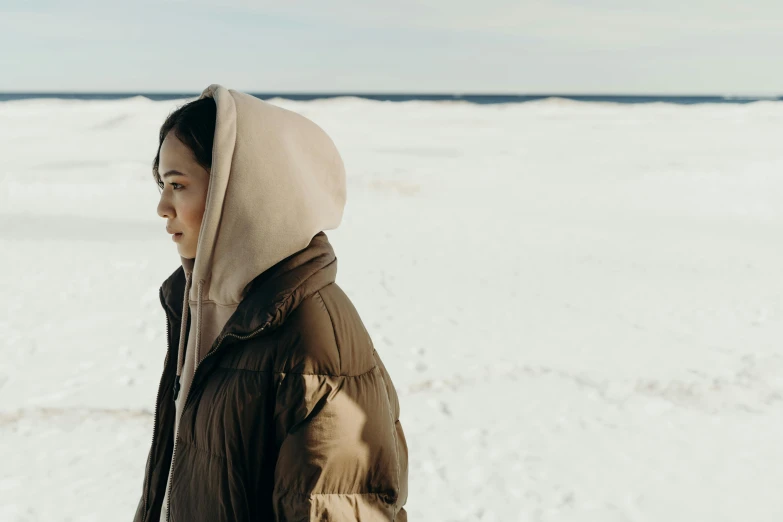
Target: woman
pixel 273 403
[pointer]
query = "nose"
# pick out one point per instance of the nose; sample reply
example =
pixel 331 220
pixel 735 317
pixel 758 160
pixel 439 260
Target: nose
pixel 165 210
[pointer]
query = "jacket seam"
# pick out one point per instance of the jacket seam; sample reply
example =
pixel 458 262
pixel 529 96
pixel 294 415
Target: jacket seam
pixel 334 333
pixel 329 374
pixel 327 494
pixel 202 450
pixel 296 373
pixel 210 301
pixel 307 494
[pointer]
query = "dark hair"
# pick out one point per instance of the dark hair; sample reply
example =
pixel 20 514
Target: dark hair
pixel 194 125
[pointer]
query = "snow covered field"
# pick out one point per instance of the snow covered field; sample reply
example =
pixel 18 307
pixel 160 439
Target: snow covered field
pixel 581 305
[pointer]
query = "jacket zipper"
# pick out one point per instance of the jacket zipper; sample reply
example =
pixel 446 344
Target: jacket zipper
pixel 155 415
pixel 185 405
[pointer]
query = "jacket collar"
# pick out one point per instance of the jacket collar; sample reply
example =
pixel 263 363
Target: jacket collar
pixel 273 294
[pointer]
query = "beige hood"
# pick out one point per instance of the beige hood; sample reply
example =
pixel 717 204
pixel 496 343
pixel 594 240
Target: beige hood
pixel 276 181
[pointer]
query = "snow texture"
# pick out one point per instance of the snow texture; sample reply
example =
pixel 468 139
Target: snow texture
pixel 580 304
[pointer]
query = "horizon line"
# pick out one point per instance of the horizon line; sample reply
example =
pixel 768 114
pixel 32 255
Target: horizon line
pixel 454 94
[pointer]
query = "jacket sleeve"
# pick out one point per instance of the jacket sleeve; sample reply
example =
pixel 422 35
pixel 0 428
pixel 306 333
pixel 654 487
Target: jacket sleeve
pixel 341 448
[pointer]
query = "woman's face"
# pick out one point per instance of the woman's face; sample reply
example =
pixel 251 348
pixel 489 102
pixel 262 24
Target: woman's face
pixel 184 195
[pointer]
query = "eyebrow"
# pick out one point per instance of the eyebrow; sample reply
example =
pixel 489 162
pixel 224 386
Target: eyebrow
pixel 173 173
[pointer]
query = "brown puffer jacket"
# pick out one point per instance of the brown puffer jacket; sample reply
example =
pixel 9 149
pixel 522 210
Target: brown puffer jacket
pixel 291 415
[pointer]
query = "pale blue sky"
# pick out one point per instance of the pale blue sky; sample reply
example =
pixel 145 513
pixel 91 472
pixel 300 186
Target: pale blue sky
pixel 488 46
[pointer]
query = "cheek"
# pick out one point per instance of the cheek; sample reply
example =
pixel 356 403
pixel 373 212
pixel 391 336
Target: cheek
pixel 192 212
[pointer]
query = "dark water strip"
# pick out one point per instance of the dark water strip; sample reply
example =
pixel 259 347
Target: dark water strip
pixel 481 99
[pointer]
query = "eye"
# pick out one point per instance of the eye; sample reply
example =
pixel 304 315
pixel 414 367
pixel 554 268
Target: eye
pixel 162 185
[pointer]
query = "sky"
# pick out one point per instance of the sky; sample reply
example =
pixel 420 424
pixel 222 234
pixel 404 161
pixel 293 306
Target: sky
pixel 437 46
